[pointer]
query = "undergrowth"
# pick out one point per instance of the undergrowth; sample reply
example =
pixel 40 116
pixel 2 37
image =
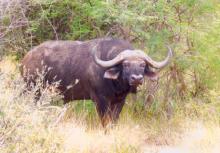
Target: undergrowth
pixel 48 126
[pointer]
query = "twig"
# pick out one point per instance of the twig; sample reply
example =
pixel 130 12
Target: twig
pixel 54 30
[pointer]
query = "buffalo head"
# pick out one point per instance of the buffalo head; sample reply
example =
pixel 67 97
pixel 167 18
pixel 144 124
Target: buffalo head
pixel 134 65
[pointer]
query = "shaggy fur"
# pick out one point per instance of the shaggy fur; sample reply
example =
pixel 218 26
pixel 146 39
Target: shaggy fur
pixel 69 61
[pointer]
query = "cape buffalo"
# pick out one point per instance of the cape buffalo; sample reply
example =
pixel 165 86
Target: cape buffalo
pixel 107 70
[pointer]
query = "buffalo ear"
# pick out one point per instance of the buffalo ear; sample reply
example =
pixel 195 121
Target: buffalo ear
pixel 112 73
pixel 152 75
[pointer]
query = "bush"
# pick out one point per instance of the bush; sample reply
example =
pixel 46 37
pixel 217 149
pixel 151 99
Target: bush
pixel 191 27
pixel 46 126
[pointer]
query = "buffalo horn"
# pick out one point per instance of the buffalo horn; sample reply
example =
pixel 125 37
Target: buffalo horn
pixel 126 54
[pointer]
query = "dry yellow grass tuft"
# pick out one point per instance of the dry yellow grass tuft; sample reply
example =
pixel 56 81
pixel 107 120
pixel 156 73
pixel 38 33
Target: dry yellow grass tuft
pixel 7 65
pixel 198 138
pixel 43 128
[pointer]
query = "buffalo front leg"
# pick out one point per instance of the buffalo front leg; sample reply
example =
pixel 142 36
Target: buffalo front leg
pixel 116 109
pixel 103 109
pixel 104 113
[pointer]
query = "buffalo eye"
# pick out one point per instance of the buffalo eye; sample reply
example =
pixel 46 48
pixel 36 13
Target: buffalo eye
pixel 142 65
pixel 126 64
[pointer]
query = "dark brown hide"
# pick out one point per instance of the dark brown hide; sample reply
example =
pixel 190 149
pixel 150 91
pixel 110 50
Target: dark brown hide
pixel 72 60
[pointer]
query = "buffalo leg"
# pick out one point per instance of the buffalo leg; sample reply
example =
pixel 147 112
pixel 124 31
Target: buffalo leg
pixel 116 109
pixel 37 95
pixel 103 109
pixel 104 113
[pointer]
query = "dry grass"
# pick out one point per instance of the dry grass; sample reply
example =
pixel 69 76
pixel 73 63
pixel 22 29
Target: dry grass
pixel 43 128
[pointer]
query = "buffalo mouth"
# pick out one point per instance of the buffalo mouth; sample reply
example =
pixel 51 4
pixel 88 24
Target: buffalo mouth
pixel 136 79
pixel 135 83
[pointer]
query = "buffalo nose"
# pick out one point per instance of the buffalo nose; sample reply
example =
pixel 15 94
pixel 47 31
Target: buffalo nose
pixel 138 78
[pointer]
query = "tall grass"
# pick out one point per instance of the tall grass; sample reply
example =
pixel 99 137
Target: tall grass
pixel 26 126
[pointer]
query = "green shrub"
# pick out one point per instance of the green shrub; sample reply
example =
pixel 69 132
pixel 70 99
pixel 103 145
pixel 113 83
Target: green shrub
pixel 190 27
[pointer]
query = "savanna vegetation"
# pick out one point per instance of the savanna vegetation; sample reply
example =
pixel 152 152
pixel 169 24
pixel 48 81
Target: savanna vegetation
pixel 179 113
